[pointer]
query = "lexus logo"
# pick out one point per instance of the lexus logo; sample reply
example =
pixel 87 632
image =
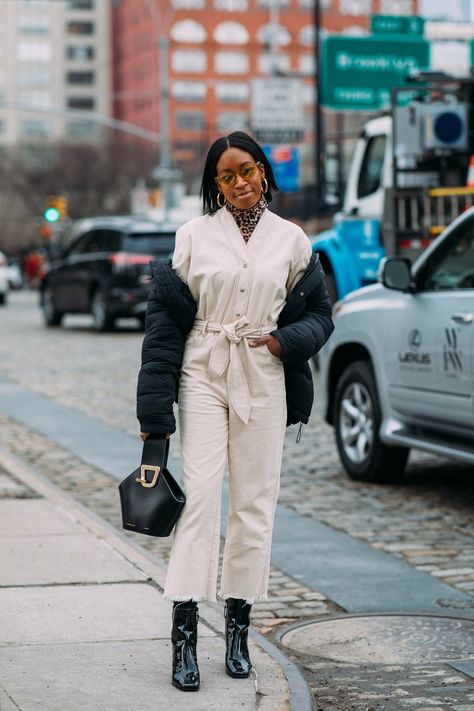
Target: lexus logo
pixel 414 338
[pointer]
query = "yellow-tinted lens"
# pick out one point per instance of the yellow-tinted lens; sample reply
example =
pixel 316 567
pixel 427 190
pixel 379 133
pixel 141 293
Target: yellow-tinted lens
pixel 227 179
pixel 247 172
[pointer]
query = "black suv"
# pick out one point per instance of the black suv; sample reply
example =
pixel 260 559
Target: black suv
pixel 105 270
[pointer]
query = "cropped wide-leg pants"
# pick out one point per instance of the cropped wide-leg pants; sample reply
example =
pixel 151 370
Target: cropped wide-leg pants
pixel 212 435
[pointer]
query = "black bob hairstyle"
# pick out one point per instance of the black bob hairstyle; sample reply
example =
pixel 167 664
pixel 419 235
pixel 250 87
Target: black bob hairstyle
pixel 237 139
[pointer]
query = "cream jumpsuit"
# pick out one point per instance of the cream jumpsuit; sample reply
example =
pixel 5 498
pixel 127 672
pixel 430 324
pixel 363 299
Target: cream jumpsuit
pixel 232 403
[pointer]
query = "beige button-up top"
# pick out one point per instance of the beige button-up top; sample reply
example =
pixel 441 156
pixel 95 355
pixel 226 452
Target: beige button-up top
pixel 229 278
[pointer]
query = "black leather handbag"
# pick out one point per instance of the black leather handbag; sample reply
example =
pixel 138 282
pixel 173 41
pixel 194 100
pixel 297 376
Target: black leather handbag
pixel 150 497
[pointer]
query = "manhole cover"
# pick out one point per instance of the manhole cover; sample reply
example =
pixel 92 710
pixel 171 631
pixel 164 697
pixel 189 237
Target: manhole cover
pixel 385 639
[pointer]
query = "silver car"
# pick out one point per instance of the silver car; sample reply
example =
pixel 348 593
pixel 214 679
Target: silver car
pixel 398 371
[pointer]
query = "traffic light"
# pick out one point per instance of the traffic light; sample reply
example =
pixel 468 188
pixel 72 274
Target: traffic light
pixel 56 208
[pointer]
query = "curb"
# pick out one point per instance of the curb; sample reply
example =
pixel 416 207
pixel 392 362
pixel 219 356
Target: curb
pixel 300 693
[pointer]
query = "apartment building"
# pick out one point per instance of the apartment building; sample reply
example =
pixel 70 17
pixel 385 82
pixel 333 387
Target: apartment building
pixel 54 57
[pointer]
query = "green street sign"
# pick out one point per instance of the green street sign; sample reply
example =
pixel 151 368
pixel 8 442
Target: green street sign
pixel 397 24
pixel 357 73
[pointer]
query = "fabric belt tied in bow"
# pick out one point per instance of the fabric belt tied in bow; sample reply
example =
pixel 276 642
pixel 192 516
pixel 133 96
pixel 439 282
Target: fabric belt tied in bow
pixel 225 357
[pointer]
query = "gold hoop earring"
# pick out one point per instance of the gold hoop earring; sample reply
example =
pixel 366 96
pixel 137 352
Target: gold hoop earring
pixel 221 195
pixel 264 187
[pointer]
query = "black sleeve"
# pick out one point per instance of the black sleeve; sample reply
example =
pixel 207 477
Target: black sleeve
pixel 304 338
pixel 162 355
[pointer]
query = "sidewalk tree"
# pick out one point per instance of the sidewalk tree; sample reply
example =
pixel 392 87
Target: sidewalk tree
pixel 90 179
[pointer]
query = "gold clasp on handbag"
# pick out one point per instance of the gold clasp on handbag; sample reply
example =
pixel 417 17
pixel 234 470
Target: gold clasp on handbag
pixel 142 479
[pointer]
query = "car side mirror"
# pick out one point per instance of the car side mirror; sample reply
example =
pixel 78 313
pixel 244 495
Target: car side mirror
pixel 395 273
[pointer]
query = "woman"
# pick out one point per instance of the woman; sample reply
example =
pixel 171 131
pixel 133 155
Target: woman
pixel 222 325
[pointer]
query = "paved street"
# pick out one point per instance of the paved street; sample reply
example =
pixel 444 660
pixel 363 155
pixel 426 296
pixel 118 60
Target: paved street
pixel 425 523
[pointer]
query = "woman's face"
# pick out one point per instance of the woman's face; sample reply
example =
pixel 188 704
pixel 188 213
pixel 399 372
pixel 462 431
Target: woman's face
pixel 239 178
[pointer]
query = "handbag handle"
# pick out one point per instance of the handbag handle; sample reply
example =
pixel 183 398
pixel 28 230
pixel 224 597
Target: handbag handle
pixel 154 459
pixel 155 451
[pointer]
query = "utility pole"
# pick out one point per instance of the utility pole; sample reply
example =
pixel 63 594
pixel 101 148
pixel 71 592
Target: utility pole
pixel 164 172
pixel 318 140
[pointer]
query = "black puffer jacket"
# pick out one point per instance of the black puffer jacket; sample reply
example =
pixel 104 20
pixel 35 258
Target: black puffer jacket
pixel 304 326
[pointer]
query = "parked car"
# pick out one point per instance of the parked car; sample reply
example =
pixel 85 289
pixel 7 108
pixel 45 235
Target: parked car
pixel 4 286
pixel 15 275
pixel 105 270
pixel 398 371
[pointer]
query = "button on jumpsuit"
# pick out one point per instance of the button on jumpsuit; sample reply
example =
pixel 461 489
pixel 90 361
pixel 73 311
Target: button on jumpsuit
pixel 232 403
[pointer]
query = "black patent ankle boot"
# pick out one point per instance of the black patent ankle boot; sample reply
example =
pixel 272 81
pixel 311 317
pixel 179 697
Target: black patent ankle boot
pixel 237 620
pixel 184 641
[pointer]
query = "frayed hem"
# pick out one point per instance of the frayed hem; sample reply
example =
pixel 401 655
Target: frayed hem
pixel 248 600
pixel 193 598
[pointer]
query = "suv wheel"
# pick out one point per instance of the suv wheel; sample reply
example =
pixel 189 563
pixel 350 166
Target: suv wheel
pixel 103 321
pixel 52 317
pixel 357 418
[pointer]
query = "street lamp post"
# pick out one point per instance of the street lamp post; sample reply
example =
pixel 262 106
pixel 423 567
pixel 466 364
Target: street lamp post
pixel 165 153
pixel 163 172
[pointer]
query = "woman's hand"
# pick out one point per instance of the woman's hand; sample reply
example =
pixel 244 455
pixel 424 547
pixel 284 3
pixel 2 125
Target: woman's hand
pixel 145 435
pixel 272 343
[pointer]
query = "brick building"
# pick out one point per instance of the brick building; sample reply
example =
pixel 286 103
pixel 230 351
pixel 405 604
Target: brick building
pixel 216 47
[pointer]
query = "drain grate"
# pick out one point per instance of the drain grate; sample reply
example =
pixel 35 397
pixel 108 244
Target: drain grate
pixel 385 639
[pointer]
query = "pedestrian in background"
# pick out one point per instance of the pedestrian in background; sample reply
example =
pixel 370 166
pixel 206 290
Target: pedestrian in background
pixel 234 318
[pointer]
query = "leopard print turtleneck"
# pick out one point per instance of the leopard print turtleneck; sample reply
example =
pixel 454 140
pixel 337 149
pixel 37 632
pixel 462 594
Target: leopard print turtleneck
pixel 247 219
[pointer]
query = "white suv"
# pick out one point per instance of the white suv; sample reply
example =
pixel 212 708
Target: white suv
pixel 3 279
pixel 398 371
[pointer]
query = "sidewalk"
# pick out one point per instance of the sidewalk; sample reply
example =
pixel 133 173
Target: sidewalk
pixel 83 624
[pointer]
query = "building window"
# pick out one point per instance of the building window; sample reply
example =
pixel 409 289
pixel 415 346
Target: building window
pixel 188 31
pixel 190 120
pixel 228 121
pixel 80 4
pixel 189 4
pixel 306 64
pixel 229 33
pixel 232 92
pixel 80 53
pixel 355 7
pixel 232 63
pixel 34 127
pixel 39 99
pixel 189 61
pixel 33 51
pixel 81 129
pixel 232 5
pixel 269 62
pixel 309 4
pixel 188 90
pixel 34 75
pixel 270 3
pixel 80 77
pixel 307 36
pixel 309 94
pixel 86 103
pixel 396 7
pixel 277 34
pixel 75 27
pixel 34 4
pixel 34 25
